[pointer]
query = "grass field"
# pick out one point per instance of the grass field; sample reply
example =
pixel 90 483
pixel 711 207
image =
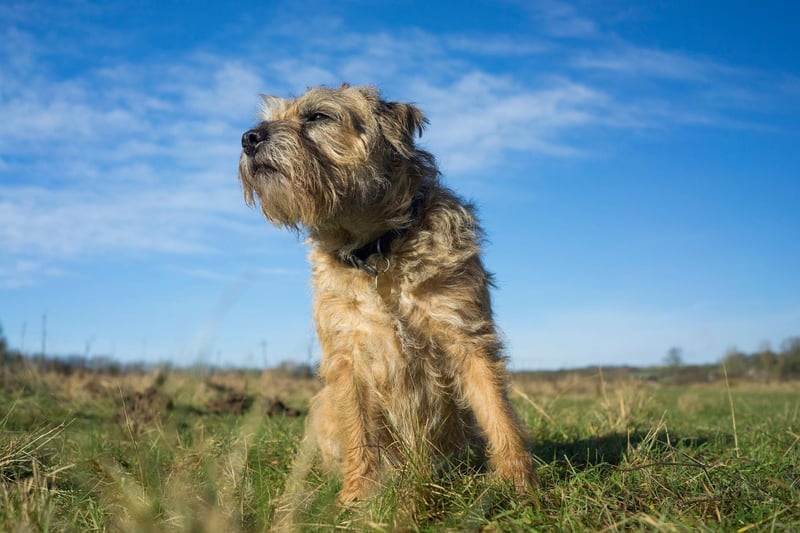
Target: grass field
pixel 199 451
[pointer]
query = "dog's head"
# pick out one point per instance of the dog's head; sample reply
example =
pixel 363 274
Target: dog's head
pixel 333 158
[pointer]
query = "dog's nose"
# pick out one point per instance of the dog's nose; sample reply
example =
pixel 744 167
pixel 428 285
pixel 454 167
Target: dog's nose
pixel 252 138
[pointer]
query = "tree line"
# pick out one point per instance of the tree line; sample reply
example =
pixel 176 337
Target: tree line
pixel 766 363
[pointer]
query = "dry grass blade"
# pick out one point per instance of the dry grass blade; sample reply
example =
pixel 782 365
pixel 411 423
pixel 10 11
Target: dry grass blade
pixel 733 411
pixel 21 450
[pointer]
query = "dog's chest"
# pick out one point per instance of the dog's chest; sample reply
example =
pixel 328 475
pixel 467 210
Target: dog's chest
pixel 375 322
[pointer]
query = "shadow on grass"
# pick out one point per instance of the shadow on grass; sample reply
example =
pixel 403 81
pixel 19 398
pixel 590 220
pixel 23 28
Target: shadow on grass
pixel 611 449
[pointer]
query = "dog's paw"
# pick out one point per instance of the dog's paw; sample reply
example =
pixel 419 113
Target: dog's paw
pixel 521 475
pixel 355 491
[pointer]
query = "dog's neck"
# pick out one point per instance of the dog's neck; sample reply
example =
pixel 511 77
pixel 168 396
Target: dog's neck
pixel 382 245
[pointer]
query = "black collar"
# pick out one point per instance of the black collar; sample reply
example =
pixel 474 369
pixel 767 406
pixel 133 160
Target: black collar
pixel 382 245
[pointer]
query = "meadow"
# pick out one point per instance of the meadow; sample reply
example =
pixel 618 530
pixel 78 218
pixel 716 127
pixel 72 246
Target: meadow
pixel 210 450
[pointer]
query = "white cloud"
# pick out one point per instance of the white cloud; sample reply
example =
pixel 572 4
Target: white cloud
pixel 480 117
pixel 65 223
pixel 210 86
pixel 298 75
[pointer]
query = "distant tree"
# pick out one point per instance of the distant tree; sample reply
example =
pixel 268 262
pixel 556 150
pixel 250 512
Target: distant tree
pixel 674 357
pixel 767 361
pixel 789 358
pixel 791 346
pixel 735 362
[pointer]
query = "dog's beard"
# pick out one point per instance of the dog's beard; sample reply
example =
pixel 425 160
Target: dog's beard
pixel 280 202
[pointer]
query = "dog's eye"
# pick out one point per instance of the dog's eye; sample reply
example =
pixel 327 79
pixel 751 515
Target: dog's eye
pixel 317 117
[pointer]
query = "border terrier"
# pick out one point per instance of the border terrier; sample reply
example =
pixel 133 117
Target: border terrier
pixel 411 363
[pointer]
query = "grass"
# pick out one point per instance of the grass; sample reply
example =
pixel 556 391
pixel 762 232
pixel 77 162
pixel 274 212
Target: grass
pixel 184 451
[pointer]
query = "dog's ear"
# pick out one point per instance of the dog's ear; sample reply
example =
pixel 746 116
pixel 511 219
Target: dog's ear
pixel 409 117
pixel 269 106
pixel 399 123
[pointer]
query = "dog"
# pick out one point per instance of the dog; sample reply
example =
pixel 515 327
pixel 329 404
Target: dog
pixel 412 364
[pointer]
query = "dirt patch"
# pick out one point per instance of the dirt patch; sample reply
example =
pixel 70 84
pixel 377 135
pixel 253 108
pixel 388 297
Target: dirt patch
pixel 230 403
pixel 144 406
pixel 275 407
pixel 238 403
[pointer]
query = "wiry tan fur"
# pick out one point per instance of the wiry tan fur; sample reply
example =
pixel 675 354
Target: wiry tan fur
pixel 414 369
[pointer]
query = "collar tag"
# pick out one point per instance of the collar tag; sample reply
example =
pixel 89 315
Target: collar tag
pixel 383 285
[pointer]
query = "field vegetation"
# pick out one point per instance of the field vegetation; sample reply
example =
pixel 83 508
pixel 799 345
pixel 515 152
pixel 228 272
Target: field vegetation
pixel 88 446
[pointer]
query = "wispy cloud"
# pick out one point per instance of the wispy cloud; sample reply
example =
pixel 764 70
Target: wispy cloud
pixel 250 274
pixel 560 19
pixel 496 45
pixel 481 116
pixel 638 61
pixel 67 223
pixel 16 272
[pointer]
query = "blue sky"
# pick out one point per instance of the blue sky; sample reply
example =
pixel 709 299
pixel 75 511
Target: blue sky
pixel 636 167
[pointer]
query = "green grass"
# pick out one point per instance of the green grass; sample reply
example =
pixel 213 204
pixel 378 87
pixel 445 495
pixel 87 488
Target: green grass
pixel 84 452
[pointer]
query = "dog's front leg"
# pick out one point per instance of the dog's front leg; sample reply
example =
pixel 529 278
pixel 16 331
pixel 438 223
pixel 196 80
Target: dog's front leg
pixel 361 454
pixel 482 384
pixel 357 420
pixel 480 377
